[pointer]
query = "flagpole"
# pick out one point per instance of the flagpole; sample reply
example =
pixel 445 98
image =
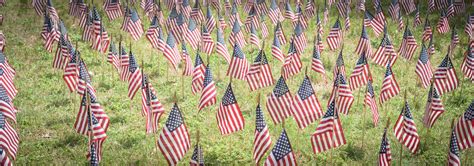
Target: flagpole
pixel 401 145
pixel 88 100
pixel 131 109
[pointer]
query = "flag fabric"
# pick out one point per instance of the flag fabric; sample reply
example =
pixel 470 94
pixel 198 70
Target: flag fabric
pixel 405 130
pixel 450 9
pixel 454 38
pixel 443 23
pixel 400 21
pixel 207 45
pixel 368 19
pixel 180 29
pixel 6 81
pixel 222 23
pixel 173 140
pixel 260 74
pixel 62 53
pixel 91 119
pixel 134 26
pixel 152 108
pixel 113 9
pixel 431 49
pixel 316 63
pixel 469 28
pixel 390 86
pixel 229 117
pixel 408 6
pixel 394 9
pixel 252 19
pixel 135 77
pixel 423 68
pixel 262 140
pixel 276 49
pixel 292 64
pixel 364 44
pixel 52 37
pixel 454 155
pixel 193 35
pixel 51 10
pixel 329 133
pixel 263 27
pixel 279 32
pixel 342 94
pixel 236 36
pixel 445 79
pixel 39 6
pixel 196 13
pixel 385 53
pixel 385 154
pixel 198 74
pixel 299 38
pixel 76 7
pixel 210 21
pixel 188 63
pixel 10 140
pixel 371 102
pixel 339 67
pixel 361 73
pixel 467 65
pixel 70 74
pixel 408 46
pixel 171 21
pixel 84 81
pixel 238 67
pixel 306 107
pixel 300 18
pixel 4 159
pixel 288 12
pixel 334 38
pixel 379 22
pixel 126 19
pixel 3 42
pixel 464 127
pixel 282 153
pixel 417 20
pixel 221 47
pixel 254 39
pixel 234 15
pixel 279 102
pixel 171 52
pixel 274 13
pixel 208 96
pixel 427 32
pixel 431 5
pixel 434 107
pixel 197 158
pixel 310 9
pixel 319 25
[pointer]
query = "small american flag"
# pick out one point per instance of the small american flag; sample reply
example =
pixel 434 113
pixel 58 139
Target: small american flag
pixel 408 46
pixel 454 38
pixel 261 7
pixel 310 9
pixel 292 64
pixel 229 117
pixel 300 18
pixel 368 19
pixel 188 63
pixel 152 108
pixel 275 13
pixel 207 45
pixel 180 28
pixel 467 65
pixel 222 23
pixel 390 86
pixel 198 74
pixel 254 39
pixel 87 26
pixel 431 48
pixel 236 36
pixel 134 26
pixel 94 154
pixel 193 35
pixel 408 6
pixel 329 133
pixel 335 36
pixel 208 96
pixel 282 153
pixel 423 67
pixel 276 49
pixel 339 67
pixel 171 21
pixel 431 5
pixel 2 42
pixel 10 139
pixel 148 7
pixel 113 9
pixel 196 13
pixel 263 27
pixel 445 79
pixel 124 61
pixel 450 11
pixel 464 127
pixel 405 129
pixel 299 38
pixel 434 107
pixel 76 7
pixel 319 25
pixel 174 138
pixel 289 12
pixel 342 94
pixel 306 107
pixel 8 109
pixel 316 63
pixel 469 28
pixel 238 67
pixel 319 43
pixel 197 158
pixel 279 102
pixel 427 31
pixel 400 21
pixel 70 72
pixel 62 53
pixel 135 78
pixel 364 44
pixel 210 21
pixel 279 33
pixel 91 118
pixel 360 75
pixel 262 140
pixel 260 74
pixel 84 82
pixel 252 18
pixel 221 47
pixel 417 20
pixel 7 82
pixel 51 10
pixel 235 16
pixel 152 33
pixel 185 8
pixel 325 14
pixel 171 51
pixel 39 6
pixel 342 6
pixel 372 102
pixel 379 22
pixel 385 53
pixel 394 9
pixel 385 154
pixel 53 36
pixel 443 23
pixel 4 157
pixel 454 155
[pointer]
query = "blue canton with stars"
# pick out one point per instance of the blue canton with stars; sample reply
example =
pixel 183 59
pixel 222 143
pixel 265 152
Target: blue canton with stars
pixel 94 160
pixel 385 144
pixel 306 90
pixel 171 41
pixel 281 88
pixel 229 97
pixel 207 76
pixel 453 144
pixel 198 60
pixel 132 66
pixel 238 52
pixel 282 147
pixel 261 58
pixel 134 15
pixel 330 112
pixel 259 119
pixel 424 54
pixel 469 114
pixel 175 120
pixel 407 112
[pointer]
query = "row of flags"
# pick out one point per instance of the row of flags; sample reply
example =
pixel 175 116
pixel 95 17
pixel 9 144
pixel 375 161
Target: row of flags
pixel 304 106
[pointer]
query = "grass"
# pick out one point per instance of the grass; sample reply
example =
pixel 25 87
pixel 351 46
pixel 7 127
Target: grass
pixel 48 110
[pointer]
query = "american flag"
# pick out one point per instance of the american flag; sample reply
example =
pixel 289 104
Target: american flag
pixel 53 36
pixel 316 63
pixel 196 13
pixel 379 22
pixel 292 64
pixel 4 64
pixel 185 8
pixel 385 53
pixel 342 6
pixel 459 6
pixel 427 32
pixel 408 6
pixel 431 48
pixel 390 86
pixel 124 61
pixel 252 18
pixel 364 44
pixel 276 49
pixel 113 9
pixel 319 43
pixel 10 141
pixel 329 133
pixel 229 117
pixel 236 36
pixel 208 96
pixel 152 33
pixel 405 129
pixel 469 28
pixel 464 128
pixel 91 118
pixel 394 9
pixel 334 38
pixel 180 28
pixel 434 107
pixel 347 22
pixel 368 19
pixel 282 153
pixel 450 10
pixel 306 107
pixel 263 27
pixel 299 38
pixel 361 5
pixel 234 15
pixel 2 42
pixel 289 12
pixel 445 79
pixel 443 23
pixel 198 74
pixel 310 9
pixel 319 25
pixel 262 140
pixel 197 158
pixel 339 67
pixel 454 38
pixel 6 105
pixel 467 66
pixel 4 157
pixel 86 25
pixel 417 20
pixel 300 18
pixel 361 73
pixel 135 78
pixel 279 102
pixel 400 21
pixel 94 154
pixel 342 94
pixel 148 7
pixel 174 138
pixel 188 63
pixel 371 102
pixel 423 67
pixel 210 21
pixel 431 5
pixel 193 35
pixel 222 23
pixel 238 67
pixel 6 81
pixel 221 47
pixel 171 21
pixel 408 46
pixel 62 53
pixel 260 74
pixel 134 25
pixel 207 45
pixel 254 39
pixel 454 155
pixel 152 108
pixel 51 10
pixel 279 33
pixel 70 72
pixel 84 81
pixel 39 6
pixel 385 154
pixel 171 51
pixel 76 7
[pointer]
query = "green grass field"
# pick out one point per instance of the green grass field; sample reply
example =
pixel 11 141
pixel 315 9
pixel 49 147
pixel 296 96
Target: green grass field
pixel 48 110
